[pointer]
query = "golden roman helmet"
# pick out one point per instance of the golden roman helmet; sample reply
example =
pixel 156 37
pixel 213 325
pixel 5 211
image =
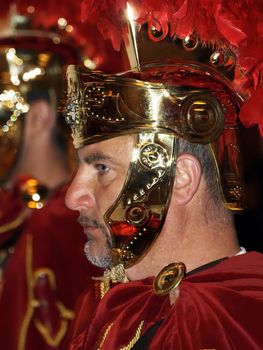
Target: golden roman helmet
pixel 179 87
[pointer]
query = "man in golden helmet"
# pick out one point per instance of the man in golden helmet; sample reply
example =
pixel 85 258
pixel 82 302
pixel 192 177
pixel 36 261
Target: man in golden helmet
pixel 159 174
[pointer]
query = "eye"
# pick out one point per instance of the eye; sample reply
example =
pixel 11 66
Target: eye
pixel 102 168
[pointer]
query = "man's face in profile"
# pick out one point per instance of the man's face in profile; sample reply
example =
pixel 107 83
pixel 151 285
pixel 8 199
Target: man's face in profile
pixel 100 178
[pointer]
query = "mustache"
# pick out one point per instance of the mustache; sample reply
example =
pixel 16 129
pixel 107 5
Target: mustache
pixel 85 221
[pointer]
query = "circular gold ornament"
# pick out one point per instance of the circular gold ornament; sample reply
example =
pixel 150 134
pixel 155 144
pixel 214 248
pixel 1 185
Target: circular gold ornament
pixel 155 32
pixel 169 278
pixel 218 59
pixel 158 34
pixel 190 42
pixel 204 116
pixel 137 214
pixel 153 156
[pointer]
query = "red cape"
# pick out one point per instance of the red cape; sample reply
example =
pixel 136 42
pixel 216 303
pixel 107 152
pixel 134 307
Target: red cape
pixel 44 276
pixel 218 308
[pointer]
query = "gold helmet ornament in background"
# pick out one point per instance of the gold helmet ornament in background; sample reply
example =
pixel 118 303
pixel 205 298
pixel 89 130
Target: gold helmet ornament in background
pixel 37 39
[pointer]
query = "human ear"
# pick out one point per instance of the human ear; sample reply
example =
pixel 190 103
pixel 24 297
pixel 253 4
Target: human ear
pixel 187 178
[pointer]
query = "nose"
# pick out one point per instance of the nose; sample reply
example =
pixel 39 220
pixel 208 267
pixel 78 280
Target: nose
pixel 79 194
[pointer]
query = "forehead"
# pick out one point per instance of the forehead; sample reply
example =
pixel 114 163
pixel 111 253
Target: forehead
pixel 113 148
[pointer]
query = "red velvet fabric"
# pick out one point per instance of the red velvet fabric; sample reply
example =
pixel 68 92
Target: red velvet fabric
pixel 218 308
pixel 57 246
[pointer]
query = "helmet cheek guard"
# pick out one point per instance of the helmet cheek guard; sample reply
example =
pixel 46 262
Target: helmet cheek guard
pixel 137 217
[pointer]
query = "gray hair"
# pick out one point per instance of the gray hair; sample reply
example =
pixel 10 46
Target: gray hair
pixel 204 154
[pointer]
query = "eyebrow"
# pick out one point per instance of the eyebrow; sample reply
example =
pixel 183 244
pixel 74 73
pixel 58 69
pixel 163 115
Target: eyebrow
pixel 95 157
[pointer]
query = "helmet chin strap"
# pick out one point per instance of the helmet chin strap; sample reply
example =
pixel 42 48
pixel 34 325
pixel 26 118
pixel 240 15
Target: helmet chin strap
pixel 136 218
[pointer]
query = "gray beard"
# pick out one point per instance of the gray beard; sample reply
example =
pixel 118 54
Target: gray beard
pixel 104 261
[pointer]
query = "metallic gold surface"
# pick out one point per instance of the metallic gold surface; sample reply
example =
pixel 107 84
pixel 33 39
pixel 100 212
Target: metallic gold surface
pixel 137 216
pixel 169 278
pixel 101 105
pixel 229 167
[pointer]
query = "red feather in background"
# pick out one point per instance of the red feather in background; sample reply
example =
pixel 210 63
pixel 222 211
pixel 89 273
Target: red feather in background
pixel 235 24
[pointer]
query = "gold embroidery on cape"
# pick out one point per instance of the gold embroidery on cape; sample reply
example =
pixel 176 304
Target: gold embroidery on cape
pixel 103 335
pixel 135 338
pixel 30 309
pixel 65 313
pixel 55 340
pixel 97 289
pixel 104 288
pixel 105 331
pixel 16 222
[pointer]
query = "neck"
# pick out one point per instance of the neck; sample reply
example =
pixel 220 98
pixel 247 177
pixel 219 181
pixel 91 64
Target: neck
pixel 194 240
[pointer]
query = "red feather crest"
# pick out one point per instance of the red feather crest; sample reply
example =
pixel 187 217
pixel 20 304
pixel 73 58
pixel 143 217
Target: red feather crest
pixel 236 24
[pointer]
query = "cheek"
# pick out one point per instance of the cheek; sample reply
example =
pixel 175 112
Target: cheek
pixel 106 196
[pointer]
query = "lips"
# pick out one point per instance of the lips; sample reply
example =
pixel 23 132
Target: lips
pixel 94 230
pixel 88 229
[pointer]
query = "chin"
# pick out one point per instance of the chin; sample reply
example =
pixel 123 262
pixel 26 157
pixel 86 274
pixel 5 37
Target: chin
pixel 98 257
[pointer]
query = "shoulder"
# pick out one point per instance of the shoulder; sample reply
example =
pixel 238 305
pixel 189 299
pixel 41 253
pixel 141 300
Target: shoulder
pixel 219 301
